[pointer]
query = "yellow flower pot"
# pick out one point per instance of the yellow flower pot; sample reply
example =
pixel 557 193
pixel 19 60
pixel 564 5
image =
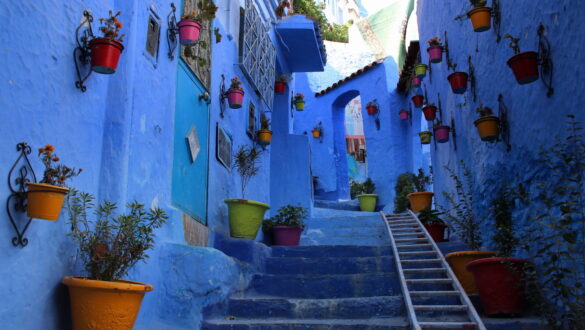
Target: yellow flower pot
pixel 245 217
pixel 300 105
pixel 44 201
pixel 368 202
pixel 425 137
pixel 488 128
pixel 264 137
pixel 316 133
pixel 420 70
pixel 480 18
pixel 420 200
pixel 458 262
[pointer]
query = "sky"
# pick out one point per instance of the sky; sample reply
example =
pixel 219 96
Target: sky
pixel 368 7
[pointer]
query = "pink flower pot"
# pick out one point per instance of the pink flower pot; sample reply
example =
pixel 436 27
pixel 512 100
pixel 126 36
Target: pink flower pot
pixel 435 54
pixel 403 114
pixel 286 235
pixel 442 133
pixel 235 98
pixel 416 81
pixel 188 32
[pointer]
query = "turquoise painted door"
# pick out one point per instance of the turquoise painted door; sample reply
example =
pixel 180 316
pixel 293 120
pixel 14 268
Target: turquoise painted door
pixel 190 155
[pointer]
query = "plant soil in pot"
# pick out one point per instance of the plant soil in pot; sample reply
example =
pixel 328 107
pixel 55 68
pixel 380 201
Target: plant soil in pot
pixel 420 70
pixel 458 82
pixel 403 114
pixel 430 112
pixel 442 133
pixel 286 235
pixel 420 200
pixel 525 67
pixel 500 284
pixel 417 100
pixel 105 54
pixel 480 18
pixel 458 262
pixel 189 32
pixel 425 137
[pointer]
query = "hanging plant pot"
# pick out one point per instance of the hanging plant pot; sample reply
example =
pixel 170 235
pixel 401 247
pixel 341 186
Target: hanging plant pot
pixel 480 18
pixel 430 112
pixel 105 54
pixel 435 54
pixel 420 70
pixel 245 217
pixel 316 133
pixel 300 105
pixel 437 231
pixel 403 114
pixel 44 201
pixel 458 262
pixel 235 98
pixel 525 67
pixel 458 82
pixel 417 100
pixel 442 133
pixel 425 137
pixel 421 200
pixel 488 128
pixel 372 110
pixel 416 81
pixel 188 32
pixel 286 235
pixel 279 87
pixel 264 137
pixel 500 285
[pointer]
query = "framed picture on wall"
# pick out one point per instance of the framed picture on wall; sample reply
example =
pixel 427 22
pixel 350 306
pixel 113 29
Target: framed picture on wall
pixel 223 147
pixel 251 122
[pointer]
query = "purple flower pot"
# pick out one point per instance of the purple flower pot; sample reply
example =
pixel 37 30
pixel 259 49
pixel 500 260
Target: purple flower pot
pixel 235 98
pixel 286 235
pixel 435 54
pixel 442 133
pixel 416 81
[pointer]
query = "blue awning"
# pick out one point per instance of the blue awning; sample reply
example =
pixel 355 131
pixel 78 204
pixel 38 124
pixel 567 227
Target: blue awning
pixel 302 43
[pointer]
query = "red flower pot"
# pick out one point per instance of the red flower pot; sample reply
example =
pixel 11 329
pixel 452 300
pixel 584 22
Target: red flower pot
pixel 442 133
pixel 286 235
pixel 417 100
pixel 235 98
pixel 458 82
pixel 279 87
pixel 430 112
pixel 403 114
pixel 105 54
pixel 435 54
pixel 525 67
pixel 372 110
pixel 500 285
pixel 437 232
pixel 188 32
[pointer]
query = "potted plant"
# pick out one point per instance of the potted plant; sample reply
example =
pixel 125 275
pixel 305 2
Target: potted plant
pixel 105 51
pixel 430 112
pixel 487 124
pixel 403 114
pixel 280 84
pixel 435 50
pixel 403 187
pixel 463 221
pixel 287 225
pixel 421 199
pixel 45 199
pixel 433 223
pixel 367 197
pixel 480 15
pixel 425 137
pixel 420 70
pixel 264 134
pixel 109 247
pixel 316 131
pixel 372 107
pixel 235 94
pixel 417 100
pixel 441 132
pixel 190 24
pixel 458 81
pixel 416 81
pixel 524 65
pixel 245 215
pixel 299 101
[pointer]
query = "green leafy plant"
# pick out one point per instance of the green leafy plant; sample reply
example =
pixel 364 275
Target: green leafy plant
pixel 246 162
pixel 421 181
pixel 435 42
pixel 55 174
pixel 331 32
pixel 430 217
pixel 513 43
pixel 206 10
pixel 292 216
pixel 299 97
pixel 355 188
pixel 505 239
pixel 368 187
pixel 264 122
pixel 236 83
pixel 478 3
pixel 404 186
pixel 111 245
pixel 110 27
pixel 484 111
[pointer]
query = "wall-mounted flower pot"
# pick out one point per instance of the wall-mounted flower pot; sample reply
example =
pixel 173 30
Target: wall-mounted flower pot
pixel 525 67
pixel 235 98
pixel 417 100
pixel 104 304
pixel 368 202
pixel 403 114
pixel 105 54
pixel 416 81
pixel 420 200
pixel 188 32
pixel 458 262
pixel 264 137
pixel 425 137
pixel 420 70
pixel 437 231
pixel 279 87
pixel 435 54
pixel 430 112
pixel 44 201
pixel 286 235
pixel 458 82
pixel 316 133
pixel 488 128
pixel 442 133
pixel 480 18
pixel 500 284
pixel 245 217
pixel 372 110
pixel 300 105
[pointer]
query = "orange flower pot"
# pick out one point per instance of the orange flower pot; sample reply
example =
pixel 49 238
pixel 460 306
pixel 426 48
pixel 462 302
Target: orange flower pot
pixel 420 200
pixel 316 133
pixel 488 128
pixel 458 262
pixel 264 137
pixel 44 200
pixel 104 304
pixel 480 18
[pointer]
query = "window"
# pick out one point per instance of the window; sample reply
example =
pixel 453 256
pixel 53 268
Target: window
pixel 152 38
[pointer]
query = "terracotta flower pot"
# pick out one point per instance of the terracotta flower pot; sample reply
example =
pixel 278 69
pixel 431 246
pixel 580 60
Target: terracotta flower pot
pixel 44 201
pixel 417 100
pixel 458 262
pixel 425 137
pixel 403 114
pixel 430 112
pixel 488 128
pixel 437 231
pixel 435 54
pixel 420 200
pixel 316 133
pixel 188 32
pixel 264 137
pixel 372 110
pixel 235 98
pixel 279 87
pixel 105 54
pixel 286 235
pixel 525 67
pixel 420 70
pixel 442 133
pixel 458 82
pixel 416 81
pixel 480 18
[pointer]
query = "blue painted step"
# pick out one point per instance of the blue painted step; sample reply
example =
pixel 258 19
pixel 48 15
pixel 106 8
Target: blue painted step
pixel 395 323
pixel 312 266
pixel 351 205
pixel 331 251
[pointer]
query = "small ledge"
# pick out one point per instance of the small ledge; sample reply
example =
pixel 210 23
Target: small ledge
pixel 302 43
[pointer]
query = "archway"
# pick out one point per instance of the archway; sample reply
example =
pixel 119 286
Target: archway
pixel 355 142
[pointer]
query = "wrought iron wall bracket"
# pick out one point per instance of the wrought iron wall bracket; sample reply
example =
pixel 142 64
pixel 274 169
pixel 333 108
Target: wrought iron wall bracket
pixel 222 97
pixel 446 51
pixel 472 79
pixel 504 125
pixel 172 30
pixel 545 61
pixel 439 107
pixel 410 114
pixel 320 127
pixel 81 53
pixel 497 19
pixel 453 132
pixel 16 201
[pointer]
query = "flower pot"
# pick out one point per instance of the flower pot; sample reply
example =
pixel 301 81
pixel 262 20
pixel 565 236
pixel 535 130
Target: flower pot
pixel 430 112
pixel 437 231
pixel 300 105
pixel 416 81
pixel 488 128
pixel 264 137
pixel 458 262
pixel 44 201
pixel 188 32
pixel 105 54
pixel 458 82
pixel 480 18
pixel 235 98
pixel 279 87
pixel 420 200
pixel 500 284
pixel 286 235
pixel 417 100
pixel 420 70
pixel 442 133
pixel 372 110
pixel 316 133
pixel 104 304
pixel 525 67
pixel 435 54
pixel 245 217
pixel 425 137
pixel 403 114
pixel 368 202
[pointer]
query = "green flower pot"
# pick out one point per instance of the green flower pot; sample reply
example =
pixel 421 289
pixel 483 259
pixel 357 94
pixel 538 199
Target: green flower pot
pixel 420 70
pixel 300 105
pixel 368 202
pixel 245 217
